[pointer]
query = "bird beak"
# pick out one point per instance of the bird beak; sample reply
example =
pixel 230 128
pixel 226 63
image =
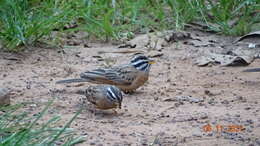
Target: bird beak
pixel 151 62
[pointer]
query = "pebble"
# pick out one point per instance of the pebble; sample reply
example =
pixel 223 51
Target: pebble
pixel 250 121
pixel 225 102
pixel 212 102
pixel 209 93
pixel 258 141
pixel 247 108
pixel 4 96
pixel 188 98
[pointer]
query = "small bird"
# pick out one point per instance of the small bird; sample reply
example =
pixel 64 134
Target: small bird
pixel 104 96
pixel 252 70
pixel 127 77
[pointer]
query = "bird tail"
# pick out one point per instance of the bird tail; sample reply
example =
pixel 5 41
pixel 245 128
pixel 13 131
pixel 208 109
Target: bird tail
pixel 71 81
pixel 94 75
pixel 252 70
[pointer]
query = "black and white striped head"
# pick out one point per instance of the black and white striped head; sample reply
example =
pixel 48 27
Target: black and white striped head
pixel 141 62
pixel 114 94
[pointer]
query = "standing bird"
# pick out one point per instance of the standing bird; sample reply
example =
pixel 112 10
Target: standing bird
pixel 104 96
pixel 252 70
pixel 127 77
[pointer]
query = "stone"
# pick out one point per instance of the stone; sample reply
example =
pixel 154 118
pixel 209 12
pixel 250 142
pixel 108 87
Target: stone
pixel 4 97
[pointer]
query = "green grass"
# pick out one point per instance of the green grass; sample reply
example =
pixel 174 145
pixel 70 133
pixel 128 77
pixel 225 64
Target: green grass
pixel 24 22
pixel 20 129
pixel 233 17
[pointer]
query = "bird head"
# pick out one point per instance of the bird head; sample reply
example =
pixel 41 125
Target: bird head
pixel 141 62
pixel 115 95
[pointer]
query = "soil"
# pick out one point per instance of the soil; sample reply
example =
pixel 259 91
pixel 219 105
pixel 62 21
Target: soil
pixel 177 106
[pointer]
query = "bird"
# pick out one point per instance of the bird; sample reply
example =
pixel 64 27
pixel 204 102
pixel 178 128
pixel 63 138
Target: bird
pixel 104 97
pixel 252 70
pixel 127 77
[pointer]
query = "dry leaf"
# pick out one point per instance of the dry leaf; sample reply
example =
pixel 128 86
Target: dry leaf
pixel 252 34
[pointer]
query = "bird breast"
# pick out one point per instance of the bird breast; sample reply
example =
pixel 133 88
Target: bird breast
pixel 139 81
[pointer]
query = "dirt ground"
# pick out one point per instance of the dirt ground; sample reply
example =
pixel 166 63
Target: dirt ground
pixel 181 104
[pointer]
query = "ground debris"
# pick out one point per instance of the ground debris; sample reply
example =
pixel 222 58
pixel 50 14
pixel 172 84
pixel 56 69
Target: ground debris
pixel 188 117
pixel 127 45
pixel 154 54
pixel 250 35
pixel 211 93
pixel 177 36
pixel 184 98
pixel 224 60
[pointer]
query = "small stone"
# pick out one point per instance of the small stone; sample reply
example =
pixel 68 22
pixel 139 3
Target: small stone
pixel 86 45
pixel 237 115
pixel 207 92
pixel 212 102
pixel 225 102
pixel 33 105
pixel 250 121
pixel 201 104
pixel 4 97
pixel 247 108
pixel 123 135
pixel 258 142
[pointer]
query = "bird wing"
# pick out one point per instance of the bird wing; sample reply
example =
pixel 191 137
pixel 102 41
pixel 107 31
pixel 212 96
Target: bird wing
pixel 123 75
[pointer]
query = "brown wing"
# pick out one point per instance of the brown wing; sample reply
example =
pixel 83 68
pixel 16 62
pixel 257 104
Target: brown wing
pixel 123 75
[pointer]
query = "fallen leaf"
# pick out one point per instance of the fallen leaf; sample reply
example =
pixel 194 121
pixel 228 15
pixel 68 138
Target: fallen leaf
pixel 224 60
pixel 154 54
pixel 252 34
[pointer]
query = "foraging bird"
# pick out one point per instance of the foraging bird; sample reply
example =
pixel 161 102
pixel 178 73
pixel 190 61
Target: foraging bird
pixel 127 77
pixel 252 70
pixel 104 96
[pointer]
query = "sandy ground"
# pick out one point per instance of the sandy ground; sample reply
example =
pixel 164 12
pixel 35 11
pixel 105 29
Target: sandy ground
pixel 172 108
